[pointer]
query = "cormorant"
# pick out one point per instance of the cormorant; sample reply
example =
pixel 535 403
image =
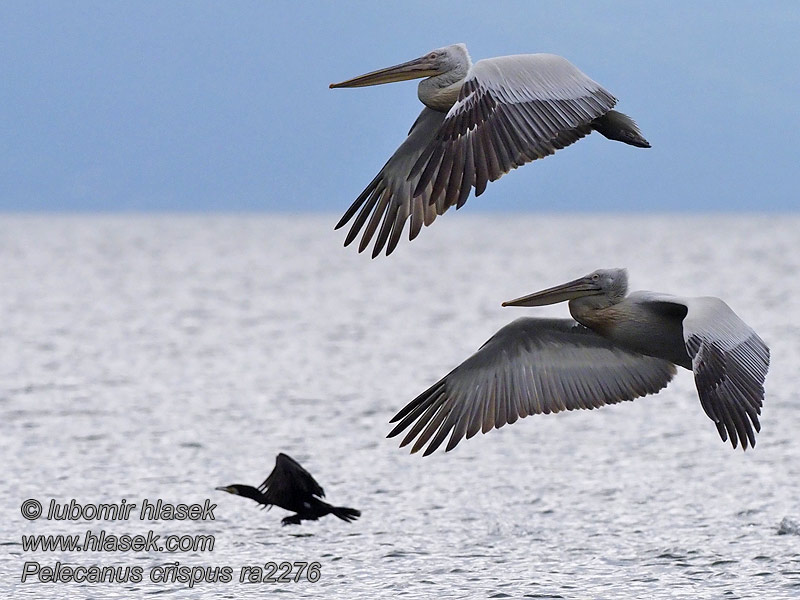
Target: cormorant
pixel 291 487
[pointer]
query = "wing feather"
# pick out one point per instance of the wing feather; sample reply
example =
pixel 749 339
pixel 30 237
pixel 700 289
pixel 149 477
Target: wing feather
pixel 289 480
pixel 390 191
pixel 526 104
pixel 531 366
pixel 729 361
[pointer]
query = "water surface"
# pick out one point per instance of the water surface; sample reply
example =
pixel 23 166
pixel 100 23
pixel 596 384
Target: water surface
pixel 161 356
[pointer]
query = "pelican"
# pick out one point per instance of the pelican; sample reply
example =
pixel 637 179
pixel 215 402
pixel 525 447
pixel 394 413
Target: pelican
pixel 618 347
pixel 480 121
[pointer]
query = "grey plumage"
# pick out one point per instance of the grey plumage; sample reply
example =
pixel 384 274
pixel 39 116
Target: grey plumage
pixel 480 122
pixel 619 347
pixel 530 366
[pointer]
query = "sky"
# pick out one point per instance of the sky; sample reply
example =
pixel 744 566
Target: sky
pixel 225 106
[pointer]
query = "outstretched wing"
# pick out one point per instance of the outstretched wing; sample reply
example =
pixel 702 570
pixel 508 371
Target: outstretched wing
pixel 730 362
pixel 530 366
pixel 388 201
pixel 510 110
pixel 289 479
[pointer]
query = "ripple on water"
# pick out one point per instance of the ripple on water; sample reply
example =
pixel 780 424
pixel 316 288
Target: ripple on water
pixel 160 357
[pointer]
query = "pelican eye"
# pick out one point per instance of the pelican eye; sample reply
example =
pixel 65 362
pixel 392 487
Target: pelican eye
pixel 595 277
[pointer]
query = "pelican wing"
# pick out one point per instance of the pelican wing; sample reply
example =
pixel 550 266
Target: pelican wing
pixel 531 366
pixel 729 361
pixel 287 480
pixel 511 110
pixel 388 201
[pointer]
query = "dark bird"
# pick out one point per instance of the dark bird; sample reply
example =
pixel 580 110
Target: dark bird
pixel 479 122
pixel 621 347
pixel 291 487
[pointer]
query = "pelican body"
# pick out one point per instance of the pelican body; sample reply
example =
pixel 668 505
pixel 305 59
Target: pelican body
pixel 618 347
pixel 480 121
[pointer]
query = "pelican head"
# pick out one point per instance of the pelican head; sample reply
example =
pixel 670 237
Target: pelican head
pixel 611 283
pixel 454 58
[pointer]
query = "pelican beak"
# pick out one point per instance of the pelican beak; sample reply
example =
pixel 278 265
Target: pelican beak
pixel 560 293
pixel 413 69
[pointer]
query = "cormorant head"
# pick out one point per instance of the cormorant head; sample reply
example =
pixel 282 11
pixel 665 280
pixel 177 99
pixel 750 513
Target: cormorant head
pixel 235 489
pixel 248 491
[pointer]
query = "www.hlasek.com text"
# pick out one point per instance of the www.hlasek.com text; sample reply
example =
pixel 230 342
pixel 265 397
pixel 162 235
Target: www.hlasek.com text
pixel 102 541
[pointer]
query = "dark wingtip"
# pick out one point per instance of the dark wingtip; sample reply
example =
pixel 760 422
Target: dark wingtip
pixel 452 444
pixel 734 438
pixel 351 235
pixel 378 248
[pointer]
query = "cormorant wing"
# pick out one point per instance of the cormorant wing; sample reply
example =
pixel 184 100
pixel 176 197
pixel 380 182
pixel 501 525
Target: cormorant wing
pixel 729 361
pixel 289 479
pixel 530 366
pixel 510 110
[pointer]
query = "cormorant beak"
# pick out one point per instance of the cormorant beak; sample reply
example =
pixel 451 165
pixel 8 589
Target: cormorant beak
pixel 424 66
pixel 227 488
pixel 560 293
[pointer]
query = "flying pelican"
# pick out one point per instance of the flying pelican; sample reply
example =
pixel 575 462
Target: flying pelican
pixel 622 347
pixel 291 487
pixel 479 122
